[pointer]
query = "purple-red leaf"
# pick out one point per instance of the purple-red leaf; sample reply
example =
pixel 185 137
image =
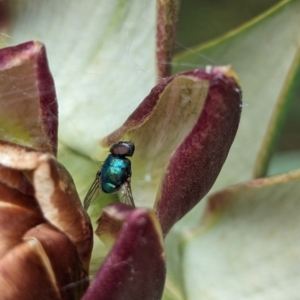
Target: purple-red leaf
pixel 196 163
pixel 28 107
pixel 135 267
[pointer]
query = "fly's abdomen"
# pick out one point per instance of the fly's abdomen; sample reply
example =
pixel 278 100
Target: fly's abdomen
pixel 115 172
pixel 108 187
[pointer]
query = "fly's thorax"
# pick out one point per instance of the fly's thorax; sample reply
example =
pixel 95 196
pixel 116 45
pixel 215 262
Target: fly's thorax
pixel 117 163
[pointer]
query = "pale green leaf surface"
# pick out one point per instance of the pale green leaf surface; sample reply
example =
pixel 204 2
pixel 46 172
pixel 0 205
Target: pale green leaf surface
pixel 248 244
pixel 99 59
pixel 172 292
pixel 174 287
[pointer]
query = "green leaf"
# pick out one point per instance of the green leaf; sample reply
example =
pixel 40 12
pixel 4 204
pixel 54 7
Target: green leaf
pixel 247 246
pixel 174 287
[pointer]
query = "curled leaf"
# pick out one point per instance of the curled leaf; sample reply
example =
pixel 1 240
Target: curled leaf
pixel 135 267
pixel 28 107
pixel 183 131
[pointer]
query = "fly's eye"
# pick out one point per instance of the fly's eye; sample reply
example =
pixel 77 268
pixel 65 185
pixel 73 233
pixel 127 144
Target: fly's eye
pixel 122 149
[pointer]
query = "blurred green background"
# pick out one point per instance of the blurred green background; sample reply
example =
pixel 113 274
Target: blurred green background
pixel 195 15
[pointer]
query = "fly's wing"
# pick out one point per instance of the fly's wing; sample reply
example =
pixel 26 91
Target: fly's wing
pixel 127 197
pixel 93 192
